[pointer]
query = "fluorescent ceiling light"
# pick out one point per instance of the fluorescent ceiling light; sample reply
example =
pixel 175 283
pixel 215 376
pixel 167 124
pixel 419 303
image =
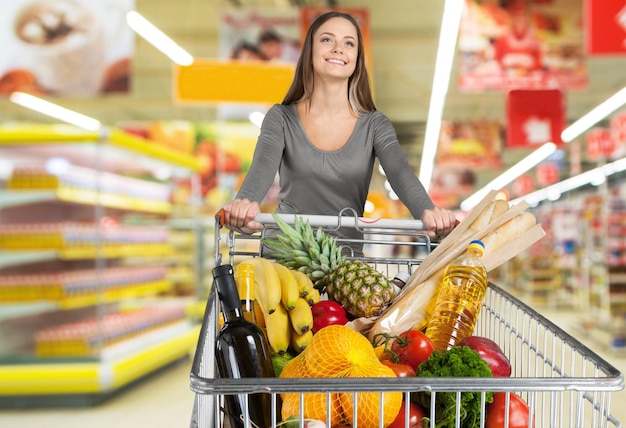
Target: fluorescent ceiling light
pixel 56 111
pixel 594 116
pixel 445 56
pixel 510 174
pixel 158 39
pixel 256 117
pixel 593 176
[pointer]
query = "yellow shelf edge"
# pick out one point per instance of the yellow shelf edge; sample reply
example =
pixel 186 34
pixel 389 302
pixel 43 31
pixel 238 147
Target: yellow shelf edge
pixel 64 134
pixel 89 378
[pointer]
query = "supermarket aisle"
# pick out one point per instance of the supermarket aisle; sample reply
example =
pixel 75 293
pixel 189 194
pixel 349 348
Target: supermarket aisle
pixel 165 400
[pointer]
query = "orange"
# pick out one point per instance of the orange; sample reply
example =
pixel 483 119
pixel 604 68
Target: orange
pixel 368 403
pixel 315 407
pixel 337 350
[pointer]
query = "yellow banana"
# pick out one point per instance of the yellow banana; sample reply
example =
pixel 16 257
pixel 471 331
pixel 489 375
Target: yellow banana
pixel 313 297
pixel 278 329
pixel 305 285
pixel 301 316
pixel 300 341
pixel 272 285
pixel 289 286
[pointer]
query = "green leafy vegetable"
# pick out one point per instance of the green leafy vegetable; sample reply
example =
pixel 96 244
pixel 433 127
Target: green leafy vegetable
pixel 458 361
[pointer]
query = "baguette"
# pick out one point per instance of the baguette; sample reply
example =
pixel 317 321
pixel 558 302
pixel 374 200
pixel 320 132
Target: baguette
pixel 503 229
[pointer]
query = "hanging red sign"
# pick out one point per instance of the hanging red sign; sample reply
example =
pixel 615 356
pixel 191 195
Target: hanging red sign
pixel 605 22
pixel 618 133
pixel 534 117
pixel 599 144
pixel 523 185
pixel 547 173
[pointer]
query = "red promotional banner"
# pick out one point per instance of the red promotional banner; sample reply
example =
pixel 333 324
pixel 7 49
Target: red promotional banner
pixel 599 144
pixel 547 173
pixel 618 133
pixel 605 22
pixel 534 117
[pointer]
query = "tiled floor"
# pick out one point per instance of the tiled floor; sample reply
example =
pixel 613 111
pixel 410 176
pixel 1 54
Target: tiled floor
pixel 165 400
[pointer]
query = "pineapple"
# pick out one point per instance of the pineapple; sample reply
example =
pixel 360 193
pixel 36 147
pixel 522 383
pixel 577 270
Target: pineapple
pixel 357 286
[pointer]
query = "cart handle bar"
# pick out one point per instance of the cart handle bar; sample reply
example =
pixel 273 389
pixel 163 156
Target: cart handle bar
pixel 338 221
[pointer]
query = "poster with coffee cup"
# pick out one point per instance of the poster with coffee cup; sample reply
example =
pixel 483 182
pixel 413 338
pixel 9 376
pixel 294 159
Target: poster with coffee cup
pixel 73 48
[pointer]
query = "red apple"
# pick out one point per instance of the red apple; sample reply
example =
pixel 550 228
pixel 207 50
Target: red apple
pixel 491 353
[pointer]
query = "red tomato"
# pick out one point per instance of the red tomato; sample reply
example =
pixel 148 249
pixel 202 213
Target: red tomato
pixel 327 319
pixel 518 412
pixel 416 413
pixel 401 370
pixel 412 348
pixel 325 306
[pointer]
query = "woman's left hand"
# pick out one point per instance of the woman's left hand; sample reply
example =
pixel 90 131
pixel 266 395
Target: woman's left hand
pixel 439 222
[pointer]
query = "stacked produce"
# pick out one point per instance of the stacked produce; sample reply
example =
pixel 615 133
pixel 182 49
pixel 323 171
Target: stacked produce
pixel 327 316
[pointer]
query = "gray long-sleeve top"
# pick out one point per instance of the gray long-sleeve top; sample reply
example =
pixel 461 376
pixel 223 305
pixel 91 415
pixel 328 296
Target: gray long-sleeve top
pixel 314 181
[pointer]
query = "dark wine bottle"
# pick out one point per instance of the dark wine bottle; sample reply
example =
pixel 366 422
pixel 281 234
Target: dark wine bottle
pixel 241 351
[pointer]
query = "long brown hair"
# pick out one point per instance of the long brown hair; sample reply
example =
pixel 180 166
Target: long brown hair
pixel 359 91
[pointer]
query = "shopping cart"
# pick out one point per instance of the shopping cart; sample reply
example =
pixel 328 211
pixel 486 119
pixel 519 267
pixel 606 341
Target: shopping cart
pixel 564 383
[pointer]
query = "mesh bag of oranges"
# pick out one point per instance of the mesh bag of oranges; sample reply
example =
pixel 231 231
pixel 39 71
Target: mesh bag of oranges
pixel 337 351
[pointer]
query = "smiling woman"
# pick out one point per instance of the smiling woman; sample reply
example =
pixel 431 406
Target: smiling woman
pixel 324 138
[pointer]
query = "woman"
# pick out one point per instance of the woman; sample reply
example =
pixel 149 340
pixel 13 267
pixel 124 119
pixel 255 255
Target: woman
pixel 324 137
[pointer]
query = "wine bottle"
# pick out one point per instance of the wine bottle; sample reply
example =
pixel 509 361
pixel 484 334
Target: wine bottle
pixel 241 351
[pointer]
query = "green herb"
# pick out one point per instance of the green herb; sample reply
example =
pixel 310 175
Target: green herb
pixel 458 361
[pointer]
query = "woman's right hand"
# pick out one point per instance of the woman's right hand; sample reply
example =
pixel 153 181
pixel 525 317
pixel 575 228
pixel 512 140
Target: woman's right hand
pixel 240 213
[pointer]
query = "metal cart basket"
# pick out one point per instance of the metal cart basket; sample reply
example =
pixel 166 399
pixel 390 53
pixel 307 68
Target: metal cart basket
pixel 564 383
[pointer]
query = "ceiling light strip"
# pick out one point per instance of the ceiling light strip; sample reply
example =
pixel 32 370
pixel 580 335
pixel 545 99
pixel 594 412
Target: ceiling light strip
pixel 55 111
pixel 510 174
pixel 158 39
pixel 594 116
pixel 450 23
pixel 593 176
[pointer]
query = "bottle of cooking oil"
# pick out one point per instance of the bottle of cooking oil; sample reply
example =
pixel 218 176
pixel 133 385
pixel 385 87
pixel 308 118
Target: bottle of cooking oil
pixel 460 298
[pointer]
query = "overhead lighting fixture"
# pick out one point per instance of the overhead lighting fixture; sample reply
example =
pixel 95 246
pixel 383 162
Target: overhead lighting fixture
pixel 510 174
pixel 158 39
pixel 256 117
pixel 594 116
pixel 448 34
pixel 593 177
pixel 53 110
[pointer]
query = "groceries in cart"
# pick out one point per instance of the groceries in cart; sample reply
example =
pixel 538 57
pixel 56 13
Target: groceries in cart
pixel 326 315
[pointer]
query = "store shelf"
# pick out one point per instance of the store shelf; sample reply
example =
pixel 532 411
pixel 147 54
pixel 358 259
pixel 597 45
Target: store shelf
pixel 119 365
pixel 14 258
pixel 80 211
pixel 73 143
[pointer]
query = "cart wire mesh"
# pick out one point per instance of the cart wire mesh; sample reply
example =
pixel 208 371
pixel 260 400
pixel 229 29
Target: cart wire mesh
pixel 564 383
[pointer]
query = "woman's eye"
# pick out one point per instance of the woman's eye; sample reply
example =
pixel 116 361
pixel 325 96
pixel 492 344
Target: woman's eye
pixel 350 44
pixel 326 39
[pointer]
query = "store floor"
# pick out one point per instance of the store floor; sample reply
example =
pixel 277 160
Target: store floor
pixel 164 400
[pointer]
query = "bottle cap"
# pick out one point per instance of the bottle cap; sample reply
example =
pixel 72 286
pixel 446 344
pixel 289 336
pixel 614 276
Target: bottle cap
pixel 479 242
pixel 403 276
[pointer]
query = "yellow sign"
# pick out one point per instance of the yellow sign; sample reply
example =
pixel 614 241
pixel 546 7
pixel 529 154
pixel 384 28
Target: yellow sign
pixel 213 81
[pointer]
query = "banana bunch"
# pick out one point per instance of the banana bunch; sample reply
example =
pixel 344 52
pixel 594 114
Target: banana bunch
pixel 285 297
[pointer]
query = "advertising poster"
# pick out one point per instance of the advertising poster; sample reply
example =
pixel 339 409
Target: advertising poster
pixel 451 185
pixel 475 145
pixel 74 48
pixel 532 44
pixel 260 35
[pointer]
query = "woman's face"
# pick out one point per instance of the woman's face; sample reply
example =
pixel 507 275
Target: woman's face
pixel 335 48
